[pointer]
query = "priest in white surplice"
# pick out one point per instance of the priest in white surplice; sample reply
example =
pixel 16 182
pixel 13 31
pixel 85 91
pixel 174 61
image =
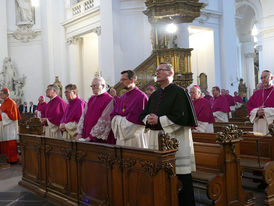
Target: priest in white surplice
pixel 170 109
pixel 125 124
pixel 261 104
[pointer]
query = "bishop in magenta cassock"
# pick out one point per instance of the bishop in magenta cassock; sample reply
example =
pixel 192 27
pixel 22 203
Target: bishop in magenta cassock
pixel 54 112
pixel 41 107
pixel 9 116
pixel 95 122
pixel 238 100
pixel 73 112
pixel 220 107
pixel 126 126
pixel 202 110
pixel 261 104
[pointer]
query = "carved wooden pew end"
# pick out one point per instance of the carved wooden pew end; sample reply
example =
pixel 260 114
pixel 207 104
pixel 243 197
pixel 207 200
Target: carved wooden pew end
pixel 218 169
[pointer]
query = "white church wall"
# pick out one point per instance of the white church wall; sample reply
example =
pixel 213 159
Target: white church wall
pixel 89 68
pixel 27 56
pixel 53 41
pixel 134 35
pixel 202 56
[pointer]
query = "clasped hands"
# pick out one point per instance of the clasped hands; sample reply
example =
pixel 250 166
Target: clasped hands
pixel 260 112
pixel 152 119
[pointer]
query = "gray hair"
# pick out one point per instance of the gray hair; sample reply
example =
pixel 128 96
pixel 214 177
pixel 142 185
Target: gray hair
pixel 54 87
pixel 102 81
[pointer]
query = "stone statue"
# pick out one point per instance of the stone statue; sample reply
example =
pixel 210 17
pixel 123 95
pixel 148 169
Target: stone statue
pixel 242 89
pixel 24 12
pixel 10 79
pixel 8 73
pixel 58 83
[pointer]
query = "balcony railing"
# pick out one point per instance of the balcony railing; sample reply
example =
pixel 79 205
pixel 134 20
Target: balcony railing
pixel 81 6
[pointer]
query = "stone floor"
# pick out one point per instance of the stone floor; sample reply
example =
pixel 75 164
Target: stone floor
pixel 11 194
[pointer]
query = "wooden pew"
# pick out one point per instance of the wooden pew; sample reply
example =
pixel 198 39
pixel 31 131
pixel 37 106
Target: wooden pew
pixel 75 173
pixel 261 163
pixel 240 114
pixel 245 126
pixel 218 172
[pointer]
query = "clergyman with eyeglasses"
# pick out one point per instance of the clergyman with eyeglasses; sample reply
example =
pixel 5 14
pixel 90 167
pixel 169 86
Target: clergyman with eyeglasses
pixel 261 104
pixel 169 109
pixel 54 112
pixel 95 122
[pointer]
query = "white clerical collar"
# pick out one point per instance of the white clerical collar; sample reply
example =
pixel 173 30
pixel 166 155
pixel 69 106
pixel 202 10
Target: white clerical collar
pixel 53 97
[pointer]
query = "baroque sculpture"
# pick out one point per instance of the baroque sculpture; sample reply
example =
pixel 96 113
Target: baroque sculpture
pixel 10 79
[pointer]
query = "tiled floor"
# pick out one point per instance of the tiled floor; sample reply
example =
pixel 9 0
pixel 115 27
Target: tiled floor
pixel 11 194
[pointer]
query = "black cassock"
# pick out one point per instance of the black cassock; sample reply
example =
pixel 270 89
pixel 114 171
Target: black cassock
pixel 174 102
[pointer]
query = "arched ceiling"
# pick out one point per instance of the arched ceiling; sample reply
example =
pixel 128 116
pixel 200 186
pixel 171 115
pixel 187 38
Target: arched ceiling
pixel 245 22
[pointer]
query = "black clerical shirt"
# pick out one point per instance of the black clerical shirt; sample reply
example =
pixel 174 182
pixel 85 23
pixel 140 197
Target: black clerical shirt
pixel 172 101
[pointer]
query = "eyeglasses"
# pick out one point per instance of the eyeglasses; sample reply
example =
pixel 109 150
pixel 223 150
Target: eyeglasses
pixel 94 86
pixel 123 79
pixel 159 70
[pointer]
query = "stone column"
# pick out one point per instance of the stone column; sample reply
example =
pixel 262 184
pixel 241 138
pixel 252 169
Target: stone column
pixel 228 44
pixel 267 33
pixel 248 63
pixel 74 52
pixel 3 31
pixel 109 40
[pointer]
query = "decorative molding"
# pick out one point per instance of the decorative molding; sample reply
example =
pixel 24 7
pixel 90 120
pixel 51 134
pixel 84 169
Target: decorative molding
pixel 24 33
pixel 107 159
pixel 152 168
pixel 230 134
pixel 126 163
pixel 73 40
pixel 97 30
pixel 166 143
pixel 249 55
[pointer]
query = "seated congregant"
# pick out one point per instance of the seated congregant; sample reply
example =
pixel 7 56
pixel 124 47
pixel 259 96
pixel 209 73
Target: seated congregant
pixel 41 107
pixel 238 100
pixel 261 104
pixel 32 108
pixel 73 112
pixel 23 108
pixel 126 126
pixel 95 122
pixel 54 112
pixel 220 107
pixel 203 111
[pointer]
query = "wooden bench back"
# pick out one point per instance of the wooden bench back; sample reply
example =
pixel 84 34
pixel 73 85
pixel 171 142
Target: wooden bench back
pixel 209 157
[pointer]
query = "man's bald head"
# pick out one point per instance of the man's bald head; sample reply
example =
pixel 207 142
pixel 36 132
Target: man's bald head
pixel 267 78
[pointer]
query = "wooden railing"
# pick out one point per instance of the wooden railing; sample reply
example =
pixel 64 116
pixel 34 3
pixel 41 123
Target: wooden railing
pixel 75 173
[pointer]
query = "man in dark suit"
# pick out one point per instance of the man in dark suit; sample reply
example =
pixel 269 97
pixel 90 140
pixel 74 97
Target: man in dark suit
pixel 23 108
pixel 32 107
